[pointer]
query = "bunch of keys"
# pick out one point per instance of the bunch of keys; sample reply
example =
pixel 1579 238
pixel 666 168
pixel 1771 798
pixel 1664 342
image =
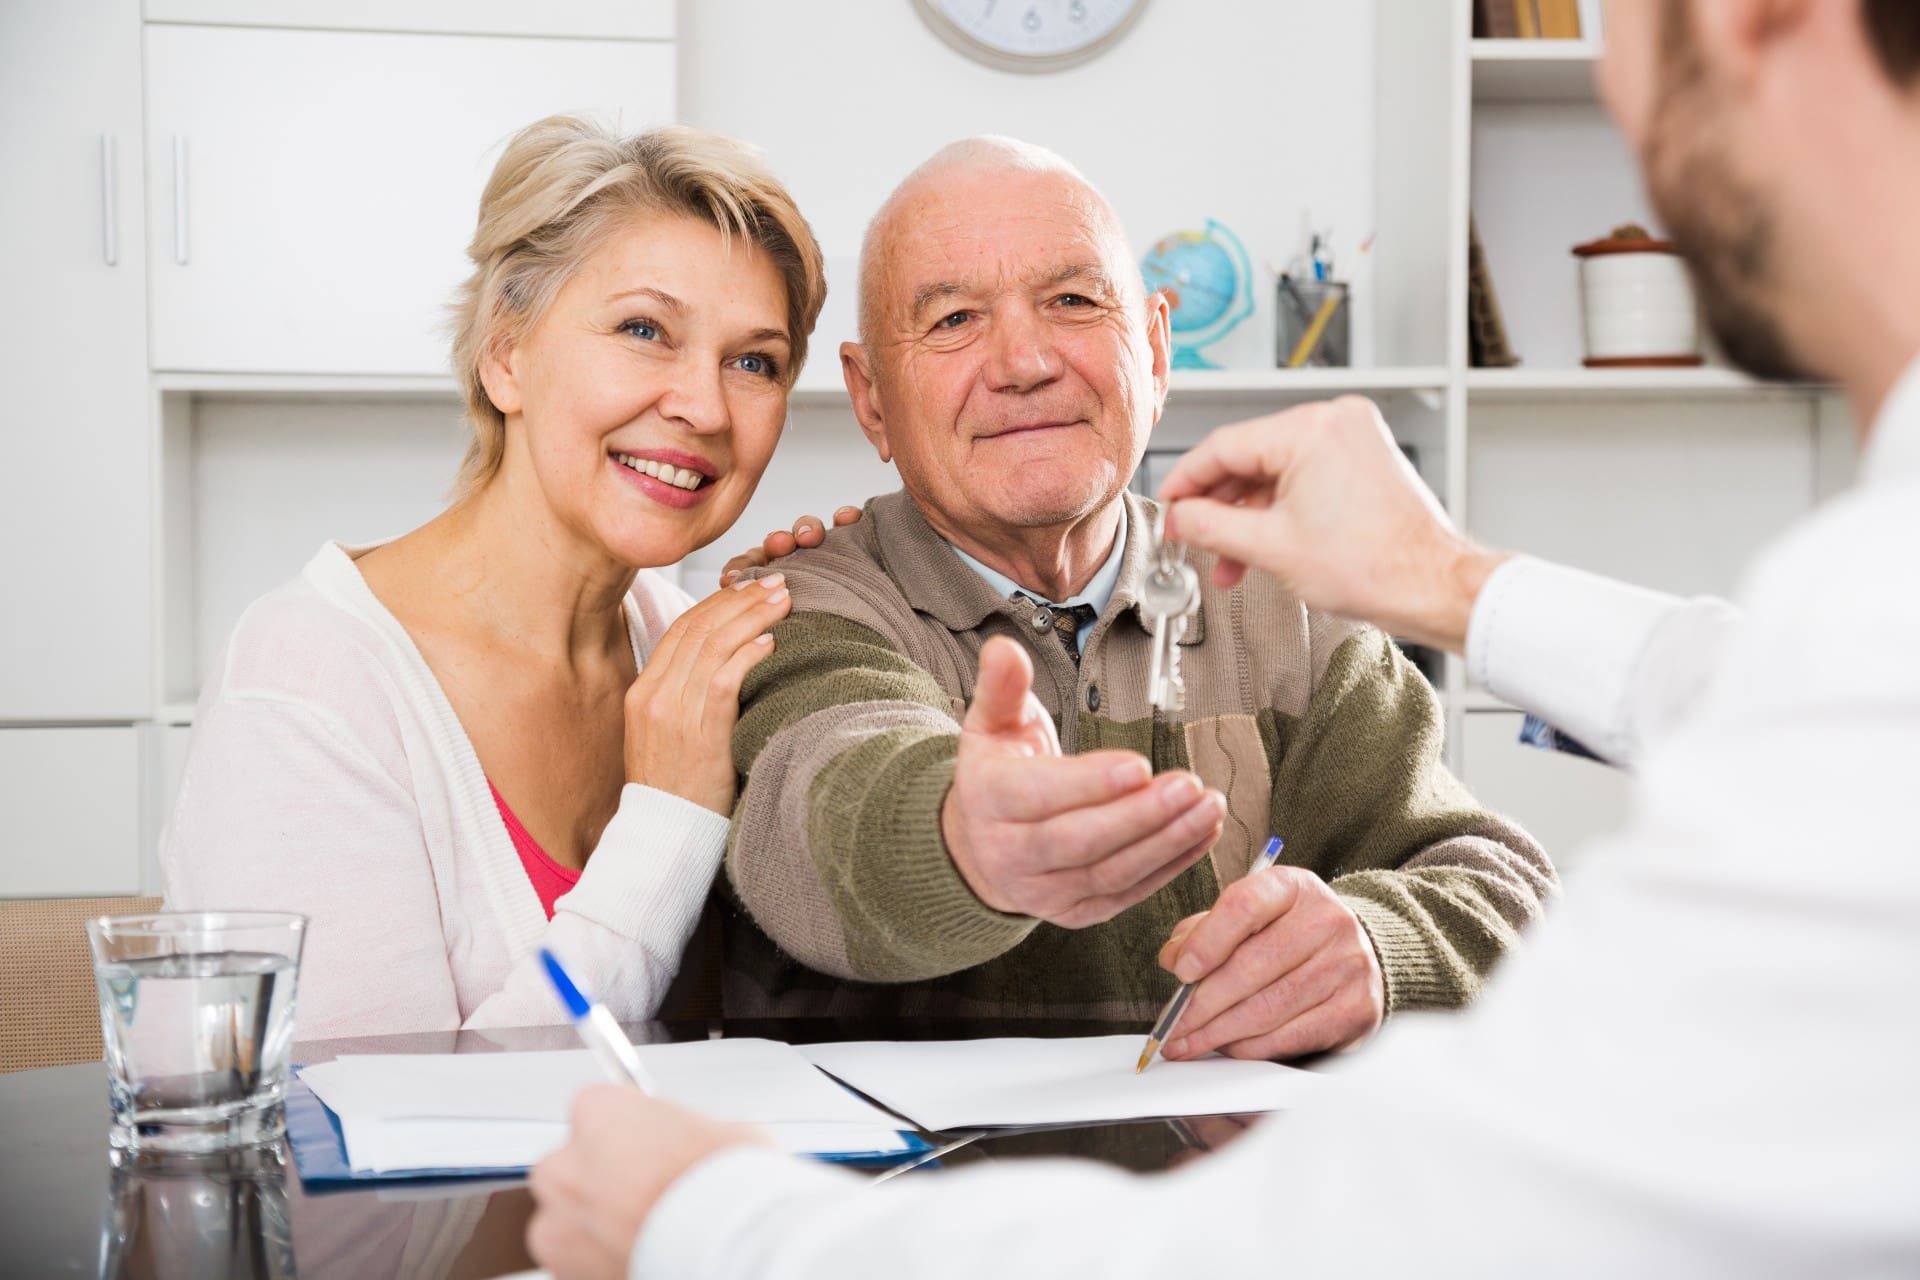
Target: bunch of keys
pixel 1170 596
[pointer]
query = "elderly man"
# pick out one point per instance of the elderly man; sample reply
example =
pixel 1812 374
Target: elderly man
pixel 898 850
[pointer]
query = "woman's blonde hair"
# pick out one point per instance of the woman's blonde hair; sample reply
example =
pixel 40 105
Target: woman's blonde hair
pixel 561 184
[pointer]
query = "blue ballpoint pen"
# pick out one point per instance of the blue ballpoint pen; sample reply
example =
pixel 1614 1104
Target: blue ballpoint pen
pixel 598 1030
pixel 1164 1024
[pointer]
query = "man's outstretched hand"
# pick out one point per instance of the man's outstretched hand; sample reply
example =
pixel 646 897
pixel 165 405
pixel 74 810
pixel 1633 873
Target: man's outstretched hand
pixel 1073 840
pixel 1321 498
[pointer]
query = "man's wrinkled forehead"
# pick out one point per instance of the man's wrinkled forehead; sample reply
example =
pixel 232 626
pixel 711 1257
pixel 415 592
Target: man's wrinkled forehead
pixel 982 235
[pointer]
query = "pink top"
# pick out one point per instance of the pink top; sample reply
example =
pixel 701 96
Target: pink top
pixel 550 879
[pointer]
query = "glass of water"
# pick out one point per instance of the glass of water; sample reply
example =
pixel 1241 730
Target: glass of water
pixel 197 1012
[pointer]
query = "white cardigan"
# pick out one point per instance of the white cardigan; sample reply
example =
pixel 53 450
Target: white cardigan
pixel 329 775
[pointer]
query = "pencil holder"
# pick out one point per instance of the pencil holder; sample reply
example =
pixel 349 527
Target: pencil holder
pixel 1312 324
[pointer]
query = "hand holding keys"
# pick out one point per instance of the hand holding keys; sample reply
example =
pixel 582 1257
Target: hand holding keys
pixel 1170 596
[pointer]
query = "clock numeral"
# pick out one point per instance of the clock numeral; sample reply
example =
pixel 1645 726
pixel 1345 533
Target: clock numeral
pixel 1021 34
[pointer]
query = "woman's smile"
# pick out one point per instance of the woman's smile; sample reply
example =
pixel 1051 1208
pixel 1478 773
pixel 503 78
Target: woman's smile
pixel 680 487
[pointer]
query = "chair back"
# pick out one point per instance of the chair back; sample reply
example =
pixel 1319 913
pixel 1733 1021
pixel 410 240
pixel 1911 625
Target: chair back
pixel 49 1009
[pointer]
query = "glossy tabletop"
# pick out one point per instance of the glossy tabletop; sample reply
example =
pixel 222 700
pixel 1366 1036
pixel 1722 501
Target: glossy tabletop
pixel 66 1210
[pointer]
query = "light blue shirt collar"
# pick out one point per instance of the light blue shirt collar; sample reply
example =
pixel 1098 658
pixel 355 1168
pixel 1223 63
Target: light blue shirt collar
pixel 1098 592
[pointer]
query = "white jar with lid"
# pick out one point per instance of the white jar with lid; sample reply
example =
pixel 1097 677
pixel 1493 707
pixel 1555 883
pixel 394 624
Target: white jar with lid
pixel 1637 302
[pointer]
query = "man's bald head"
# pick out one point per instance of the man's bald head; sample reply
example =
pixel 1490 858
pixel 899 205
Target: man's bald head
pixel 1010 362
pixel 959 163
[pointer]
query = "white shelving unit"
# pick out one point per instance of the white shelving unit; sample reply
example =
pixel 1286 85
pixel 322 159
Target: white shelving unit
pixel 316 386
pixel 1534 70
pixel 1630 384
pixel 1664 476
pixel 1202 385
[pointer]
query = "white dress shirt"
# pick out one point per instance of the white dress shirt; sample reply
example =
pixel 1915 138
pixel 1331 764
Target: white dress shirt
pixel 1098 592
pixel 1705 1062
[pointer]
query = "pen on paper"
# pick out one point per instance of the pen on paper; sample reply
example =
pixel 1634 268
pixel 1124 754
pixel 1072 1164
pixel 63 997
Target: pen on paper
pixel 1170 1016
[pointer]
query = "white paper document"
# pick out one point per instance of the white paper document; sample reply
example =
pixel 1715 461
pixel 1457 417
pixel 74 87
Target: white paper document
pixel 507 1110
pixel 398 1146
pixel 954 1084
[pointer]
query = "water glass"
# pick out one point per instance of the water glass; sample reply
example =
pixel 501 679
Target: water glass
pixel 196 1009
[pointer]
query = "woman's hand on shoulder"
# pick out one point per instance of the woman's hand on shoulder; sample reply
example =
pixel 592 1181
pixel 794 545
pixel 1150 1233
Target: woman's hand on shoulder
pixel 682 708
pixel 807 532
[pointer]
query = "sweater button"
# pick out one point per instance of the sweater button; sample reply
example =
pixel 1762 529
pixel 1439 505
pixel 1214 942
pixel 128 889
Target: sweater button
pixel 1093 697
pixel 1042 620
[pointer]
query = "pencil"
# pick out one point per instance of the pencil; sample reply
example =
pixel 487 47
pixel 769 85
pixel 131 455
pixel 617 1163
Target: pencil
pixel 1164 1024
pixel 1303 349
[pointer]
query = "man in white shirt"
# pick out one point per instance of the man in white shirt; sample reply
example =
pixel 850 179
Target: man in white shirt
pixel 1705 1061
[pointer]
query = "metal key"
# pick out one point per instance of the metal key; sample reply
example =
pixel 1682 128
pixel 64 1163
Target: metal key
pixel 1169 596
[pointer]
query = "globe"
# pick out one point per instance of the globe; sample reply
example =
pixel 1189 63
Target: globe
pixel 1208 281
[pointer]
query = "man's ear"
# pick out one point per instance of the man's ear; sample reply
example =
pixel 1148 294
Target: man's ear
pixel 854 367
pixel 1160 342
pixel 499 377
pixel 1734 36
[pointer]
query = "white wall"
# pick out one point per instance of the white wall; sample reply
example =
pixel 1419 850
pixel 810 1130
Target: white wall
pixel 1548 176
pixel 846 98
pixel 1675 498
pixel 363 472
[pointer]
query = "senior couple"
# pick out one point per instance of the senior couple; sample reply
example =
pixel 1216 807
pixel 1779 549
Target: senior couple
pixel 923 750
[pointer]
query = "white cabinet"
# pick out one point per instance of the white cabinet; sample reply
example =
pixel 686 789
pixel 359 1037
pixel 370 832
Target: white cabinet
pixel 631 19
pixel 70 799
pixel 314 191
pixel 75 477
pixel 1563 800
pixel 164 751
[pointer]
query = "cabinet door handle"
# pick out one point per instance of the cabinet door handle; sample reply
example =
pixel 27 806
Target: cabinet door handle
pixel 180 199
pixel 109 201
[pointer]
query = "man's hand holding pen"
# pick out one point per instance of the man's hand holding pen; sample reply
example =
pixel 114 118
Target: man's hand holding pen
pixel 1283 968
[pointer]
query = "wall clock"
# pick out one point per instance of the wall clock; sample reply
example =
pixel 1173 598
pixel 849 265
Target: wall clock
pixel 1031 35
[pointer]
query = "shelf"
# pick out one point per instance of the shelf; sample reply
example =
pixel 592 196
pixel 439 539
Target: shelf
pixel 1189 385
pixel 1195 385
pixel 815 392
pixel 1534 70
pixel 374 386
pixel 579 20
pixel 175 713
pixel 1627 384
pixel 1232 384
pixel 1476 698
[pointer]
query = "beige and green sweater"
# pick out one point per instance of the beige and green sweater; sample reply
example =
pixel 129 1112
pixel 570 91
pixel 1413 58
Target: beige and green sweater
pixel 1316 729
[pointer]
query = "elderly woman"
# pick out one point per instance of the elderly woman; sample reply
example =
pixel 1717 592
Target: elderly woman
pixel 500 731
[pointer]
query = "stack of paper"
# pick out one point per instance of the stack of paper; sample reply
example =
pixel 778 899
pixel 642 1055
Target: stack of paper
pixel 507 1110
pixel 948 1084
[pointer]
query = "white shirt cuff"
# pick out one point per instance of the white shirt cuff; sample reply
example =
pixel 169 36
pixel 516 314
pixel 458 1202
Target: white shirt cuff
pixel 1565 644
pixel 703 1225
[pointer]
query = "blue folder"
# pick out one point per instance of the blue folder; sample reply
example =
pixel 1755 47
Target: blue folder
pixel 320 1149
